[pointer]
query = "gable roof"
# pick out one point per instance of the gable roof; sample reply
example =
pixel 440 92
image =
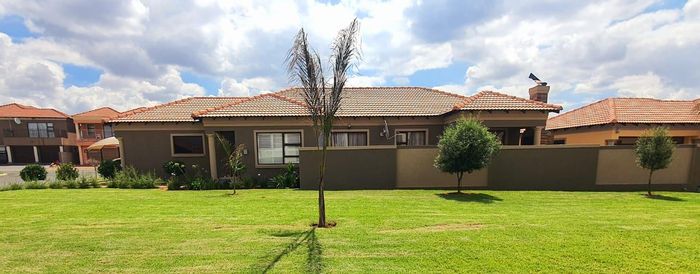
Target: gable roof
pixel 15 110
pixel 175 111
pixel 379 102
pixel 629 110
pixel 357 102
pixel 103 113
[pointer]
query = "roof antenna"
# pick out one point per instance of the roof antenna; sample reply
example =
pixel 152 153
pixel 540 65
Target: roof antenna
pixel 537 80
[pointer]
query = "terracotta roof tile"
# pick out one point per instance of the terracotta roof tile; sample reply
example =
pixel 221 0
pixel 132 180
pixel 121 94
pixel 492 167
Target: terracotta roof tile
pixel 270 105
pixel 15 110
pixel 491 100
pixel 629 110
pixel 176 111
pixel 99 113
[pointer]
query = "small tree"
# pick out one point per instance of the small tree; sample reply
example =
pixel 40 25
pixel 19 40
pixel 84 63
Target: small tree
pixel 654 151
pixel 465 146
pixel 235 166
pixel 323 99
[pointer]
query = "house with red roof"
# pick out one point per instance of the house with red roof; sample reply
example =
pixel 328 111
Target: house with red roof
pixel 36 135
pixel 274 127
pixel 620 121
pixel 91 127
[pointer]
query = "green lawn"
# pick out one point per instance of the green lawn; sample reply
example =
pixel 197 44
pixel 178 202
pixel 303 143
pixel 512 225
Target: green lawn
pixel 108 230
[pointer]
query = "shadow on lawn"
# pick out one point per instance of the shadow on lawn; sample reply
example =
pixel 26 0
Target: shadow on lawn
pixel 469 197
pixel 662 197
pixel 313 250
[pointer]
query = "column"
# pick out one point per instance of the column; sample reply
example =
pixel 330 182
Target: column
pixel 9 154
pixel 36 154
pixel 538 135
pixel 80 155
pixel 211 142
pixel 121 151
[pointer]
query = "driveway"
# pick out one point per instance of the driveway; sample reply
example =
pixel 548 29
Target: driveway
pixel 10 174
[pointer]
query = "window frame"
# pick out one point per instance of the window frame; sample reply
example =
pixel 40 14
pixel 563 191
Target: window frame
pixel 366 131
pixel 406 130
pixel 281 131
pixel 104 131
pixel 172 145
pixel 48 129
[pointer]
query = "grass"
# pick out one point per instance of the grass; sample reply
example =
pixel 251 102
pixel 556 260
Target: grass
pixel 113 230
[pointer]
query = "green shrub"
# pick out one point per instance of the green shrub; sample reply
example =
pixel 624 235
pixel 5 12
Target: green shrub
pixel 15 186
pixel 35 185
pixel 108 169
pixel 250 182
pixel 174 168
pixel 131 178
pixel 85 182
pixel 33 172
pixel 66 171
pixel 287 179
pixel 70 184
pixel 56 184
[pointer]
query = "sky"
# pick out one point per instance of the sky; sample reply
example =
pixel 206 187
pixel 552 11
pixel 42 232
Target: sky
pixel 76 55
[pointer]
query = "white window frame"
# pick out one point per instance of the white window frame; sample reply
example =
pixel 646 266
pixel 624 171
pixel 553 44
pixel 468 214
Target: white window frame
pixel 172 145
pixel 282 131
pixel 350 131
pixel 427 134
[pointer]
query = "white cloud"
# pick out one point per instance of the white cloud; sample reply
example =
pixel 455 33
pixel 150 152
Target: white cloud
pixel 365 81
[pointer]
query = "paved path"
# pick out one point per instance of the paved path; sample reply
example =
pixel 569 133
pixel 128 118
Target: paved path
pixel 12 173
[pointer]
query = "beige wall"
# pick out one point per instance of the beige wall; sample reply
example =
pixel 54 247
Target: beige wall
pixel 618 167
pixel 414 169
pixel 599 134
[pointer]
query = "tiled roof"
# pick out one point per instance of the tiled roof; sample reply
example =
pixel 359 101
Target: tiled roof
pixel 490 100
pixel 15 110
pixel 629 110
pixel 99 113
pixel 258 106
pixel 176 111
pixel 357 102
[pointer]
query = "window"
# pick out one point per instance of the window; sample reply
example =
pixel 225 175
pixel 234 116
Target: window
pixel 411 138
pixel 187 145
pixel 3 155
pixel 41 130
pixel 349 139
pixel 90 130
pixel 108 132
pixel 276 148
pixel 559 142
pixel 678 140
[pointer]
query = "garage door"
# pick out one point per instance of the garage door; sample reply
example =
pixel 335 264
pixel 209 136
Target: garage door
pixel 22 154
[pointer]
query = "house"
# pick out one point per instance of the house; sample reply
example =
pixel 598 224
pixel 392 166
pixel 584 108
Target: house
pixel 620 121
pixel 274 126
pixel 36 135
pixel 91 127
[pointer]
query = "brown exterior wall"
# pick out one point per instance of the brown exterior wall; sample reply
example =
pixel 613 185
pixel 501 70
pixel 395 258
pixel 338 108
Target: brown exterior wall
pixel 599 134
pixel 148 150
pixel 21 145
pixel 414 169
pixel 368 168
pixel 617 166
pixel 549 168
pixel 694 173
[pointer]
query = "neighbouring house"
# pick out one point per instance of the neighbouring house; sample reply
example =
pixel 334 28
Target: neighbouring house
pixel 36 135
pixel 92 127
pixel 620 121
pixel 274 127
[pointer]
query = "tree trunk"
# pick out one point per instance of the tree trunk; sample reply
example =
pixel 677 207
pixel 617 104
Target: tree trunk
pixel 651 171
pixel 459 181
pixel 321 184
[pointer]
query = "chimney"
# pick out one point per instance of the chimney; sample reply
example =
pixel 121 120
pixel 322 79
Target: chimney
pixel 539 93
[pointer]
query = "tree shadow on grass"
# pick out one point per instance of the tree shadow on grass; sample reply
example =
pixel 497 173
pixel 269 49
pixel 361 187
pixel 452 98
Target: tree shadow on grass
pixel 308 238
pixel 662 197
pixel 469 197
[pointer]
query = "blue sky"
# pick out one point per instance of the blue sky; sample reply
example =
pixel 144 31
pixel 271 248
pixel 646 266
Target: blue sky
pixel 132 53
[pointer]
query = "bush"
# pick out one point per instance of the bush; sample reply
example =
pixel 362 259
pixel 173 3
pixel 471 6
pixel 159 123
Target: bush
pixel 288 178
pixel 199 179
pixel 67 171
pixel 15 186
pixel 56 184
pixel 87 182
pixel 174 168
pixel 108 169
pixel 131 178
pixel 70 184
pixel 35 185
pixel 33 172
